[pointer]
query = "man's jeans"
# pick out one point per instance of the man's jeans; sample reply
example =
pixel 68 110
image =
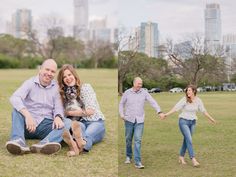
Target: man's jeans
pixel 136 130
pixel 43 131
pixel 187 127
pixel 93 132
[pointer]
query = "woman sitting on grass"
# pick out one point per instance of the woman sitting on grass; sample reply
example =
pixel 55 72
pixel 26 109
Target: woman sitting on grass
pixel 88 121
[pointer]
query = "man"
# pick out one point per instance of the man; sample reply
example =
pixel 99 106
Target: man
pixel 131 110
pixel 38 113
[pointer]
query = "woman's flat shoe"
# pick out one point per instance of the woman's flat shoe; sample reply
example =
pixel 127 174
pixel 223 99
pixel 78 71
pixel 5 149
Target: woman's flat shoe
pixel 196 163
pixel 182 161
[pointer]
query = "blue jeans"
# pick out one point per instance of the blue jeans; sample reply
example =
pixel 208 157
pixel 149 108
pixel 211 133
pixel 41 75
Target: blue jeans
pixel 136 130
pixel 92 132
pixel 43 131
pixel 187 127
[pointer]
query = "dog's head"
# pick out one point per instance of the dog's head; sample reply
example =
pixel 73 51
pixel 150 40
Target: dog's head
pixel 71 93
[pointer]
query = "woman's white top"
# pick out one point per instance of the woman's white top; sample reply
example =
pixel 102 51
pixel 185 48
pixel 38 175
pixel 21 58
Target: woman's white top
pixel 189 109
pixel 89 99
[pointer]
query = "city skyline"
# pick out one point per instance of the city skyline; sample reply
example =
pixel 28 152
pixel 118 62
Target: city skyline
pixel 175 18
pixel 172 16
pixel 64 10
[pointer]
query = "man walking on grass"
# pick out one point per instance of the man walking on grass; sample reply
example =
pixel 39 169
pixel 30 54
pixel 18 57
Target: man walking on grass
pixel 131 110
pixel 38 114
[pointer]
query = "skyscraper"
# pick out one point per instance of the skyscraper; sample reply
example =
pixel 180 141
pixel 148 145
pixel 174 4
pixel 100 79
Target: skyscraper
pixel 148 42
pixel 81 19
pixel 229 42
pixel 99 31
pixel 145 39
pixel 212 27
pixel 21 23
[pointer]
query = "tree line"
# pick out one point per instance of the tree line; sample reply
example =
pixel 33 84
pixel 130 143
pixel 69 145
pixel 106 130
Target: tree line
pixel 189 64
pixel 29 53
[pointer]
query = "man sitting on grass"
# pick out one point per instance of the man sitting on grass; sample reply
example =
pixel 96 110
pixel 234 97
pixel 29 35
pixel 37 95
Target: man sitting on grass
pixel 38 114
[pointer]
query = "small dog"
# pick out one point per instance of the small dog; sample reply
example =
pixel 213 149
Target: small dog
pixel 72 102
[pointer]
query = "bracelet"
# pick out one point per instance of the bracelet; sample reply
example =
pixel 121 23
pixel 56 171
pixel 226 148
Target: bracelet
pixel 59 115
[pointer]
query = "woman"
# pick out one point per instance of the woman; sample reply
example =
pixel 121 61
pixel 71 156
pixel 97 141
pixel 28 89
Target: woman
pixel 189 105
pixel 88 113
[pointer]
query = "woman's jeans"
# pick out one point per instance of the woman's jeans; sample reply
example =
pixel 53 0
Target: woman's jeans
pixel 134 130
pixel 92 132
pixel 187 127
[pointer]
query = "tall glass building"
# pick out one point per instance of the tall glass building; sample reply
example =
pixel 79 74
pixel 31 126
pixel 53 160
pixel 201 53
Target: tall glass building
pixel 212 27
pixel 81 19
pixel 21 23
pixel 149 39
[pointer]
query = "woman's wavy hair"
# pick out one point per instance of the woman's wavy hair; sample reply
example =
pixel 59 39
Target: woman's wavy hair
pixel 61 83
pixel 194 89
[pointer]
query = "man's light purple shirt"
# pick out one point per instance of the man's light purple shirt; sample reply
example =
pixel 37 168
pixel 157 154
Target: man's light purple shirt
pixel 132 103
pixel 41 102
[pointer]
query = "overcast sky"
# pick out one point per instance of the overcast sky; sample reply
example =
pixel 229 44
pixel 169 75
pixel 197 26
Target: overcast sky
pixel 64 9
pixel 174 17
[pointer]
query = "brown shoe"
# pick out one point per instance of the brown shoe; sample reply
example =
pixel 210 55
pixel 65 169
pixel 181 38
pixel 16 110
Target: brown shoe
pixel 17 147
pixel 46 148
pixel 75 126
pixel 74 150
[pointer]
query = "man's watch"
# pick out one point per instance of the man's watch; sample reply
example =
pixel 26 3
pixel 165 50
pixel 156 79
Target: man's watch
pixel 59 115
pixel 159 112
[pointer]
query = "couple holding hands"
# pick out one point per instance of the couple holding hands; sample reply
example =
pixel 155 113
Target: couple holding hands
pixel 131 109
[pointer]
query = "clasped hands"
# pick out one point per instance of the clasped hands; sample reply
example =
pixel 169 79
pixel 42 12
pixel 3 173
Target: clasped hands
pixel 162 116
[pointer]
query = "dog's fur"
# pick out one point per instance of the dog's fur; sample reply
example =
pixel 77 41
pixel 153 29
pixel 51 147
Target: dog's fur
pixel 72 102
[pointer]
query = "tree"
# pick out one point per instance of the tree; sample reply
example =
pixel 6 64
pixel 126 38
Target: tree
pixel 68 50
pixel 15 47
pixel 193 62
pixel 48 29
pixel 125 57
pixel 100 51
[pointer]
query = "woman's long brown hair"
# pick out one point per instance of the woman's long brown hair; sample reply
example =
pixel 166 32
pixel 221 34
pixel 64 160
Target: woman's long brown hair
pixel 194 89
pixel 62 84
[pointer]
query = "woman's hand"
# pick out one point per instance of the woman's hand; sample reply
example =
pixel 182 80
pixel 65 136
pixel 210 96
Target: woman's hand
pixel 212 121
pixel 210 118
pixel 74 113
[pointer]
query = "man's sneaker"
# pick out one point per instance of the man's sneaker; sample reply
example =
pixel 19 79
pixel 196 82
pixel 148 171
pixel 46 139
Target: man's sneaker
pixel 139 165
pixel 127 160
pixel 45 148
pixel 17 147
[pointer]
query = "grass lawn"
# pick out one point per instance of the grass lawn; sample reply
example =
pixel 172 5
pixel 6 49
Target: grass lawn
pixel 214 145
pixel 101 161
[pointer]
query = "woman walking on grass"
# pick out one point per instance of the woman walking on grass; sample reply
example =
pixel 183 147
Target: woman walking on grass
pixel 189 105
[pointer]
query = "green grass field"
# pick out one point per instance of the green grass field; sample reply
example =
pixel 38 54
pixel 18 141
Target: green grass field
pixel 101 161
pixel 214 145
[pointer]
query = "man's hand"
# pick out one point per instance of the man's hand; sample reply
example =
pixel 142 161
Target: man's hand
pixel 29 120
pixel 30 123
pixel 122 118
pixel 57 123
